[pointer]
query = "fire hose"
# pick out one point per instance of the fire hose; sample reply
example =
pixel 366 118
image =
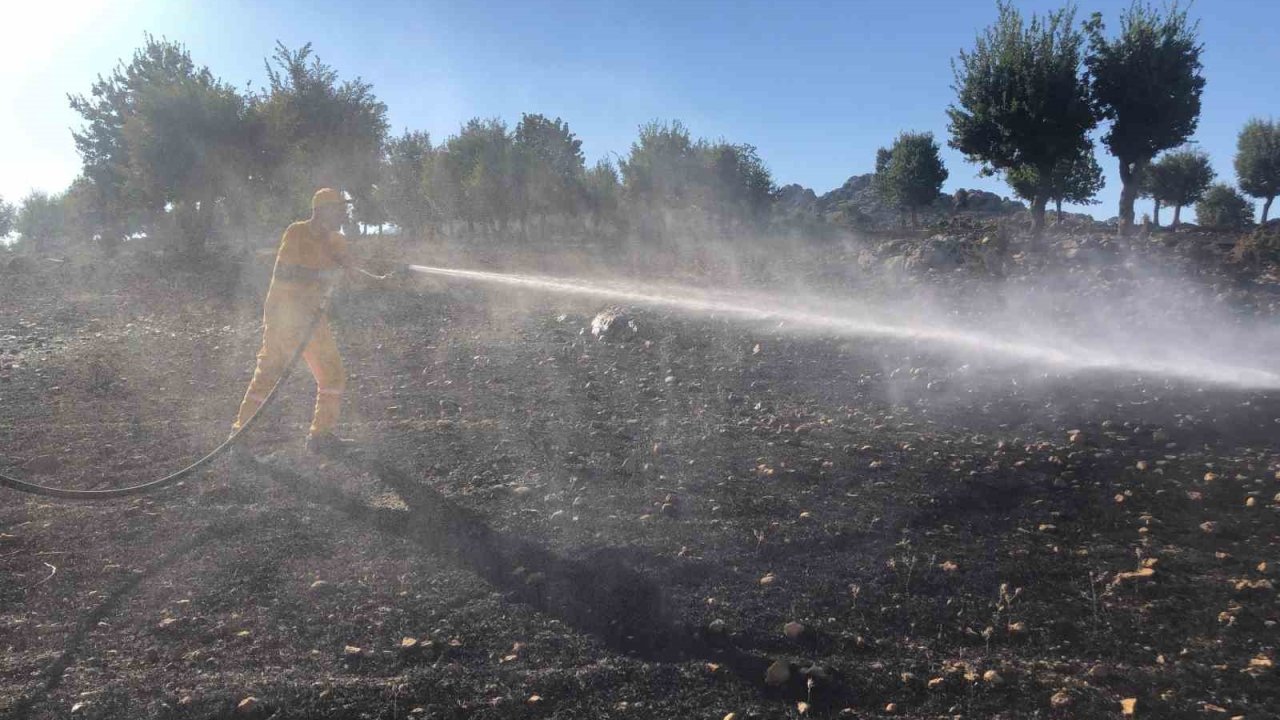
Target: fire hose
pixel 65 494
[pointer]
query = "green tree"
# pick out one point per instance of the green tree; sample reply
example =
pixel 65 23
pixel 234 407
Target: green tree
pixel 156 131
pixel 7 213
pixel 313 130
pixel 1258 161
pixel 1178 179
pixel 41 219
pixel 736 184
pixel 402 193
pixel 1075 180
pixel 474 177
pixel 549 167
pixel 185 150
pixel 1223 206
pixel 84 215
pixel 1022 102
pixel 910 173
pixel 603 193
pixel 663 165
pixel 1147 83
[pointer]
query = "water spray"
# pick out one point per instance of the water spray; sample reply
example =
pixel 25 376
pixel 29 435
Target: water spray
pixel 854 322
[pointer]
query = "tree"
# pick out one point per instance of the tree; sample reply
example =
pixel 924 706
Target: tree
pixel 603 193
pixel 1258 161
pixel 734 184
pixel 41 219
pixel 910 173
pixel 474 176
pixel 1147 83
pixel 7 213
pixel 402 193
pixel 158 130
pixel 315 131
pixel 663 165
pixel 84 216
pixel 1022 103
pixel 549 167
pixel 185 151
pixel 1178 179
pixel 1074 180
pixel 1223 206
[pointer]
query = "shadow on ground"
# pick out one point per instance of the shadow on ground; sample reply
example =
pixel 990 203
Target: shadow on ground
pixel 598 596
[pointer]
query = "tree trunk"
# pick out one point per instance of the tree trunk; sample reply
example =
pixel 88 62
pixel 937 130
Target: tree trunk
pixel 1177 215
pixel 1058 209
pixel 1266 207
pixel 1038 204
pixel 1131 179
pixel 915 217
pixel 1155 215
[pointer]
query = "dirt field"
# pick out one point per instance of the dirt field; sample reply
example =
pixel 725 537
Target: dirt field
pixel 547 525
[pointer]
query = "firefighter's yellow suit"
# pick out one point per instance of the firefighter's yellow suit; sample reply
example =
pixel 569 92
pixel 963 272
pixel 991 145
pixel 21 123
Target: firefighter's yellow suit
pixel 309 259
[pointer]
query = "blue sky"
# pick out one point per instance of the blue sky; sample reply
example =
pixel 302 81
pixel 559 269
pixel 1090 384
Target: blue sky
pixel 817 87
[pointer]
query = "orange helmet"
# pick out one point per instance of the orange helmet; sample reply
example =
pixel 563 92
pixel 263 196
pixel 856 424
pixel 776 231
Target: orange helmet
pixel 327 196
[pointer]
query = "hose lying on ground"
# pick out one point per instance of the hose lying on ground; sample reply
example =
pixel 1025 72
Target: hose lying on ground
pixel 62 493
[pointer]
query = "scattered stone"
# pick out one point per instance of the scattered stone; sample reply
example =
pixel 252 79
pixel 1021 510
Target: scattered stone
pixel 1139 574
pixel 778 674
pixel 769 579
pixel 247 705
pixel 351 652
pixel 614 324
pixel 793 630
pixel 993 678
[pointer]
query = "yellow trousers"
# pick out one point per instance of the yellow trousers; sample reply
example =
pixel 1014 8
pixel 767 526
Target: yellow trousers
pixel 289 310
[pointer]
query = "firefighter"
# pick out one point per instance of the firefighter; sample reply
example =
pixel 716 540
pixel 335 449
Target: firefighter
pixel 312 257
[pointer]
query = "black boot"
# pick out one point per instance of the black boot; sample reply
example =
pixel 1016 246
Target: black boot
pixel 331 445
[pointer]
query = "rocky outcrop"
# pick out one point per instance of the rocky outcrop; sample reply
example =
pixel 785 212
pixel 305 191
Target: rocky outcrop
pixel 856 204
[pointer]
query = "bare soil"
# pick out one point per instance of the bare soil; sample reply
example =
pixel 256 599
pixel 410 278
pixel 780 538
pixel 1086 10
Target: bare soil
pixel 547 525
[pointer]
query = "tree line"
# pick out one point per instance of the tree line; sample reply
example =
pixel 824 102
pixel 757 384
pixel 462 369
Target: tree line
pixel 1030 91
pixel 172 152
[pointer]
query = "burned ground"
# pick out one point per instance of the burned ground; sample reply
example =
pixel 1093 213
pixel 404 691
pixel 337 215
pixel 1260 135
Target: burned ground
pixel 572 528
